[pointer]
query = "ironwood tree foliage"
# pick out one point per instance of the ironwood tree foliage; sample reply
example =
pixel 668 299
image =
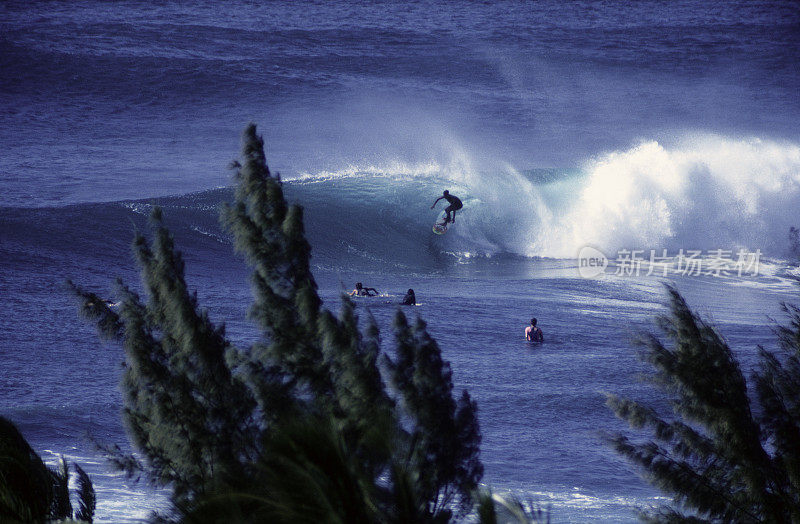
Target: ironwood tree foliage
pixel 445 434
pixel 300 426
pixel 724 455
pixel 185 410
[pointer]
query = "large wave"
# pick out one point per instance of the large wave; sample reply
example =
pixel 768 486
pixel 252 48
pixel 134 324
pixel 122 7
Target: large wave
pixel 706 192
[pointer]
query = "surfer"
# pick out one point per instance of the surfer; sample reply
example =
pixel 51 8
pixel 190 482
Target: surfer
pixel 361 291
pixel 410 299
pixel 533 333
pixel 455 205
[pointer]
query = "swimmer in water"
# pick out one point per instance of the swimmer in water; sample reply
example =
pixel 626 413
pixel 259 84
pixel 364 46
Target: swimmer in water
pixel 533 333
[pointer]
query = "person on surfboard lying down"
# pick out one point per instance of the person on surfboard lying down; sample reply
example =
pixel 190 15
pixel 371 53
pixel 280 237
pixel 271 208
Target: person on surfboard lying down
pixel 455 205
pixel 361 291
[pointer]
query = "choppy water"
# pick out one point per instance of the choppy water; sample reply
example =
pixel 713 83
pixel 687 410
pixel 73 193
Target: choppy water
pixel 667 125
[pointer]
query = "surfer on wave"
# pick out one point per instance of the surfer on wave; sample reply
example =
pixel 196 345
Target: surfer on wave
pixel 455 205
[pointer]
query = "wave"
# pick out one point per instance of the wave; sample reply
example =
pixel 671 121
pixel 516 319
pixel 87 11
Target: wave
pixel 705 193
pixel 709 193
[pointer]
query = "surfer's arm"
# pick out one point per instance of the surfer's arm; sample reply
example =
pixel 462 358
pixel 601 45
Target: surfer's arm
pixel 436 202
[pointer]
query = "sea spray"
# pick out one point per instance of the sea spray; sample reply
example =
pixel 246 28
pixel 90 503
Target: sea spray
pixel 708 193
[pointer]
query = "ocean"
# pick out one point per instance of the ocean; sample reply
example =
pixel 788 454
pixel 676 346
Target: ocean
pixel 631 130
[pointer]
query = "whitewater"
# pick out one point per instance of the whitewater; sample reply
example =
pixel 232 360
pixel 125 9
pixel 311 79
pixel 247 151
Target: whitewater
pixel 708 192
pixel 664 126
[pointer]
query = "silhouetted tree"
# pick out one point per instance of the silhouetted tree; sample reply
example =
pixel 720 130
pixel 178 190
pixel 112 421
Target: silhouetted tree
pixel 718 460
pixel 184 409
pixel 445 433
pixel 300 426
pixel 307 473
pixel 270 234
pixel 32 492
pixel 87 501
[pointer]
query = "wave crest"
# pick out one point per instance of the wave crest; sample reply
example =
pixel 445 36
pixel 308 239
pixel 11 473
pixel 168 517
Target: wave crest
pixel 710 192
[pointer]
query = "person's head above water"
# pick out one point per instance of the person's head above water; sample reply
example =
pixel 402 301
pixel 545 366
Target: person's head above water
pixel 358 285
pixel 533 321
pixel 410 291
pixel 446 192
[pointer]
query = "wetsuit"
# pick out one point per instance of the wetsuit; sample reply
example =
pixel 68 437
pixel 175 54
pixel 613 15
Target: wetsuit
pixel 455 205
pixel 534 334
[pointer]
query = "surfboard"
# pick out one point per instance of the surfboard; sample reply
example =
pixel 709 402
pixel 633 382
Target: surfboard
pixel 439 227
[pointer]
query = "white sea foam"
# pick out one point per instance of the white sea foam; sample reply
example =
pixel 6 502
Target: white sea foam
pixel 704 192
pixel 708 193
pixel 576 503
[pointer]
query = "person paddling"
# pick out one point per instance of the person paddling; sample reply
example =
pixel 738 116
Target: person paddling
pixel 455 205
pixel 361 291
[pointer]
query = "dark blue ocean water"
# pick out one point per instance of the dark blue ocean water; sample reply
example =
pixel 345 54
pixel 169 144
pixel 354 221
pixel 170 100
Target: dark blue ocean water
pixel 662 125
